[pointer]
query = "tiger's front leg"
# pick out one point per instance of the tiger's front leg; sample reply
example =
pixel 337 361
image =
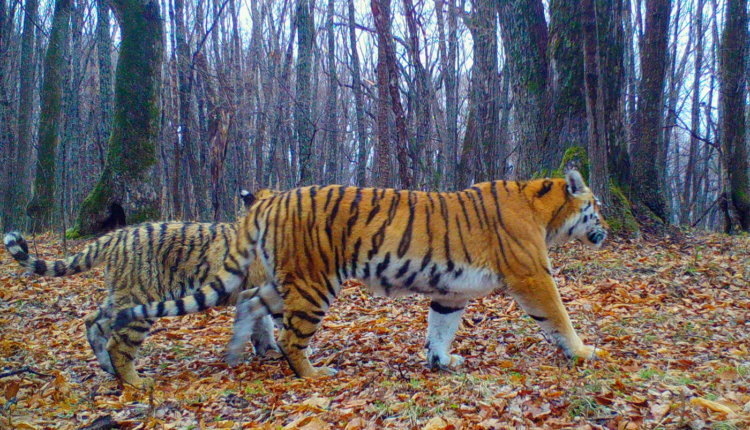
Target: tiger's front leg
pixel 442 323
pixel 539 297
pixel 303 313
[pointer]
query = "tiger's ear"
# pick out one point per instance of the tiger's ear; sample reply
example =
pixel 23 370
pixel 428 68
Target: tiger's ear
pixel 247 197
pixel 575 182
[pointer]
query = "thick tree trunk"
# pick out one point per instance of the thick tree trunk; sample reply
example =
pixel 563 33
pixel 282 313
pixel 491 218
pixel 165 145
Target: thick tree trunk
pixel 126 191
pixel 18 180
pixel 524 33
pixel 732 101
pixel 42 203
pixel 485 89
pixel 104 57
pixel 647 172
pixel 302 116
pixel 566 61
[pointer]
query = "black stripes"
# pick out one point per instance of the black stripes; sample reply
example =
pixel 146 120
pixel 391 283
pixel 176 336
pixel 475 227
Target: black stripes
pixel 441 309
pixel 538 318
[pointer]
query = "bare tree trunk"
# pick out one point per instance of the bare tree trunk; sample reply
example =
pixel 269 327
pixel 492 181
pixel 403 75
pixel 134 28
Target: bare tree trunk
pixel 381 12
pixel 42 203
pixel 732 98
pixel 422 126
pixel 104 56
pixel 359 110
pixel 647 172
pixel 331 132
pixel 358 99
pixel 485 89
pixel 595 111
pixel 126 191
pixel 302 116
pixel 691 175
pixel 448 74
pixel 17 194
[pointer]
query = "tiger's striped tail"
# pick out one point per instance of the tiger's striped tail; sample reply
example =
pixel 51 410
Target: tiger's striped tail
pixel 81 262
pixel 227 280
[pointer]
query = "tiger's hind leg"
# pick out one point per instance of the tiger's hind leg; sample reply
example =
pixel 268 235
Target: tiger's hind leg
pixel 123 346
pixel 98 331
pixel 253 321
pixel 539 297
pixel 442 323
pixel 263 339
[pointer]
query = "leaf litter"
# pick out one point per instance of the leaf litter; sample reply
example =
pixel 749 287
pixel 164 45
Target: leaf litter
pixel 671 313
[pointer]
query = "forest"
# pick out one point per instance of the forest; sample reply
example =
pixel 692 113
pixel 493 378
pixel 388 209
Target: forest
pixel 649 97
pixel 119 112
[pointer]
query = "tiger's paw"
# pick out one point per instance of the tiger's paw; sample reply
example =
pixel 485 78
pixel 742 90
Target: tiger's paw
pixel 233 359
pixel 448 362
pixel 587 352
pixel 322 371
pixel 143 384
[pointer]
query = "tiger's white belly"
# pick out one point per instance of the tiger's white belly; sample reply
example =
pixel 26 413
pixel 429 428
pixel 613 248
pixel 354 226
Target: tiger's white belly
pixel 434 280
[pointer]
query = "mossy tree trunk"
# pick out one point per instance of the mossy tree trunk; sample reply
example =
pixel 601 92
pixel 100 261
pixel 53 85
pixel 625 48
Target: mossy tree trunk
pixel 42 203
pixel 18 179
pixel 524 32
pixel 647 183
pixel 732 96
pixel 565 52
pixel 125 189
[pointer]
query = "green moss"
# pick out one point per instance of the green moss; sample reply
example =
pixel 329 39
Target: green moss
pixel 620 218
pixel 576 156
pixel 143 215
pixel 73 233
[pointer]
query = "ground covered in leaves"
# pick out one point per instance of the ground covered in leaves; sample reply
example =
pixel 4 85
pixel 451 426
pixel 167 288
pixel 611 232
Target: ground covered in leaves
pixel 672 314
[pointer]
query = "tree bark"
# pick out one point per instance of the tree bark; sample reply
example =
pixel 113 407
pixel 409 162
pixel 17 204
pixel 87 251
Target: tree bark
pixel 302 116
pixel 331 135
pixel 17 194
pixel 125 192
pixel 42 205
pixel 524 33
pixel 448 56
pixel 104 57
pixel 691 175
pixel 381 12
pixel 732 97
pixel 422 126
pixel 569 126
pixel 490 153
pixel 597 147
pixel 359 108
pixel 647 172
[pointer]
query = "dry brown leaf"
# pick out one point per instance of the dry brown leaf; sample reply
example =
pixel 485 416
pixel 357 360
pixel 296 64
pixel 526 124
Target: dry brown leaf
pixel 437 423
pixel 710 404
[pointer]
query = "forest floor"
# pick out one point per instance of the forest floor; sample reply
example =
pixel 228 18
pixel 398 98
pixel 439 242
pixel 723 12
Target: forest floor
pixel 671 313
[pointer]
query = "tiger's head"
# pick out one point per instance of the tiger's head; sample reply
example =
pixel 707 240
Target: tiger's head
pixel 249 198
pixel 579 217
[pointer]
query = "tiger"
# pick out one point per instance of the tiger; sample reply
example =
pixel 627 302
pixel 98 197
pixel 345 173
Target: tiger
pixel 150 261
pixel 449 246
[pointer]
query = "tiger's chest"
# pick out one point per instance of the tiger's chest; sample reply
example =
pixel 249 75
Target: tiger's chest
pixel 403 277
